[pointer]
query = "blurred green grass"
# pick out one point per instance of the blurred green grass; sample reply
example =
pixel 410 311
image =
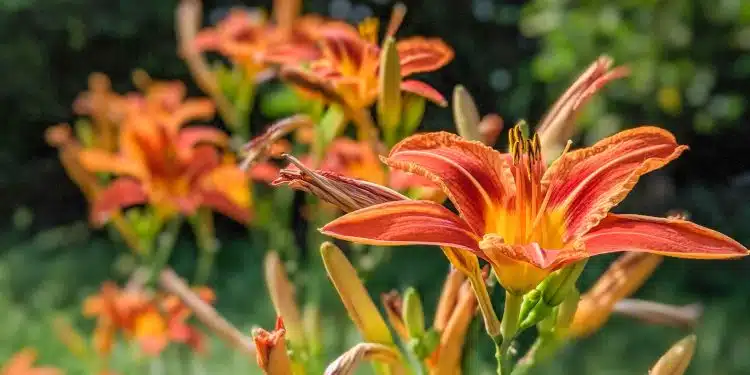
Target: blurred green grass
pixel 48 275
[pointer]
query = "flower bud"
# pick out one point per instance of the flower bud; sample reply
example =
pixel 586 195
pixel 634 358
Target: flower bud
pixel 677 359
pixel 356 300
pixel 556 287
pixel 465 114
pixel 413 110
pixel 413 314
pixel 389 99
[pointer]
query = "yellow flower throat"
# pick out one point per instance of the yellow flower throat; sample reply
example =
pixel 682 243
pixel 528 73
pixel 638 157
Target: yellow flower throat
pixel 524 218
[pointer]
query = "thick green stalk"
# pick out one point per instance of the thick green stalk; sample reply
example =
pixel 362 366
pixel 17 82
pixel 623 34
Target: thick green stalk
pixel 508 330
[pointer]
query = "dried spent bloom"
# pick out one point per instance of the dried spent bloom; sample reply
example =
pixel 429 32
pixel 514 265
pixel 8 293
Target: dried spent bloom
pixel 346 193
pixel 22 363
pixel 528 220
pixel 686 317
pixel 271 351
pixel 349 67
pixel 175 169
pixel 620 280
pixel 347 363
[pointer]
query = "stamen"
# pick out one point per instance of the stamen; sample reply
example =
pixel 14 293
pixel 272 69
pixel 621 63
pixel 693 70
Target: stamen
pixel 368 29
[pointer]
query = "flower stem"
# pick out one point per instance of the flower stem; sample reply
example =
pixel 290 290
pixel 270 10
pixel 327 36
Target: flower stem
pixel 165 243
pixel 203 227
pixel 508 330
pixel 542 350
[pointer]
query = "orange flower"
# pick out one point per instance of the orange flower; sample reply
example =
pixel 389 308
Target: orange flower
pixel 351 60
pixel 528 220
pixel 175 169
pixel 152 321
pixel 250 40
pixel 271 352
pixel 21 364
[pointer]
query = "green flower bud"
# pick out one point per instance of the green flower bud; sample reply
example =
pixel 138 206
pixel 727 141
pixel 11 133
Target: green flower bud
pixel 465 114
pixel 413 314
pixel 389 99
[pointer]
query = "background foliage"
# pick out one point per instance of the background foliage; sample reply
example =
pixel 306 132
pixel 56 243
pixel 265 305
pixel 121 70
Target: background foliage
pixel 691 69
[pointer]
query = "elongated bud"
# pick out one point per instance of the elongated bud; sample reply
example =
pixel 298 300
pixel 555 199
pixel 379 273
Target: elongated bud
pixel 465 114
pixel 538 304
pixel 413 314
pixel 393 305
pixel 490 127
pixel 685 317
pixel 620 280
pixel 677 359
pixel 357 301
pixel 566 311
pixel 346 193
pixel 282 297
pixel 448 298
pixel 389 99
pixel 557 286
pixel 347 363
pixel 413 111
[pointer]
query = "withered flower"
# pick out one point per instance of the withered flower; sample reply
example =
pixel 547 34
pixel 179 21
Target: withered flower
pixel 271 351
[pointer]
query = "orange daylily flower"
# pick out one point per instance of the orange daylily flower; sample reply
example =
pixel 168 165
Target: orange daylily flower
pixel 351 60
pixel 176 169
pixel 105 108
pixel 252 41
pixel 22 364
pixel 525 219
pixel 152 321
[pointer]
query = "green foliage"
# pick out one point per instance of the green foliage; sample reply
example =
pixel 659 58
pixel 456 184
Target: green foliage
pixel 688 58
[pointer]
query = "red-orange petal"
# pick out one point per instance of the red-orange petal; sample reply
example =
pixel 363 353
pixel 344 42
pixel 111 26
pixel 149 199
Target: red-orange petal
pixel 122 192
pixel 665 236
pixel 470 173
pixel 419 55
pixel 194 135
pixel 404 223
pixel 219 202
pixel 424 90
pixel 587 183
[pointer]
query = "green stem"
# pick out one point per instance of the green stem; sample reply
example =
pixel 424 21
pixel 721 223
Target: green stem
pixel 508 330
pixel 243 105
pixel 544 348
pixel 203 227
pixel 165 242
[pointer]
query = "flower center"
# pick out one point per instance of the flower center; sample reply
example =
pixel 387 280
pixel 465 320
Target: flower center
pixel 524 219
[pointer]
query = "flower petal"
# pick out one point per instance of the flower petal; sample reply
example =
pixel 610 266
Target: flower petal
pixel 587 183
pixel 121 193
pixel 95 160
pixel 226 190
pixel 404 223
pixel 419 55
pixel 470 173
pixel 194 135
pixel 666 236
pixel 424 90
